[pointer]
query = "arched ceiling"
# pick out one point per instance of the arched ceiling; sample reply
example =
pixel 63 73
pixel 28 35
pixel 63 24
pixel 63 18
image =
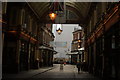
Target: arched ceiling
pixel 80 9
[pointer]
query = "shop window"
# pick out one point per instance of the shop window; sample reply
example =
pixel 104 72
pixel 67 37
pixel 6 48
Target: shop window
pixel 33 26
pixel 99 11
pixel 113 42
pixel 13 16
pixel 117 34
pixel 92 22
pixel 23 17
pixel 100 46
pixel 28 23
pixel 4 7
pixel 23 47
pixel 89 28
pixel 103 43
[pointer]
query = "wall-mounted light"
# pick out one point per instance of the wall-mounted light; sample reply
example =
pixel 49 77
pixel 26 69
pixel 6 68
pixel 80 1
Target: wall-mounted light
pixel 12 31
pixel 79 40
pixel 78 46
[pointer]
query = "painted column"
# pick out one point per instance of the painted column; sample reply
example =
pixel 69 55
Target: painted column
pixel 18 55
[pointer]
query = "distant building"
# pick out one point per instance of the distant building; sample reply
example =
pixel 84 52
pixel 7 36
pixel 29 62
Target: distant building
pixel 77 43
pixel 46 50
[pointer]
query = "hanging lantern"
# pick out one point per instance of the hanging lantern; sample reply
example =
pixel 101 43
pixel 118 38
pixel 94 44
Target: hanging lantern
pixel 59 28
pixel 79 40
pixel 59 31
pixel 55 9
pixel 52 16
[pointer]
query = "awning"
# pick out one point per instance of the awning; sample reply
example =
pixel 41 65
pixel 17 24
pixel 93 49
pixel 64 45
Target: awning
pixel 72 53
pixel 81 49
pixel 44 47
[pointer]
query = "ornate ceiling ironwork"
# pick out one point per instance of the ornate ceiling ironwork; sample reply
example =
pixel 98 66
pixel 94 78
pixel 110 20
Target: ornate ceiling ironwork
pixel 79 9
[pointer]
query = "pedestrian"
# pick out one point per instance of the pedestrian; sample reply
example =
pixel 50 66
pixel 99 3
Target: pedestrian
pixel 64 63
pixel 78 66
pixel 61 66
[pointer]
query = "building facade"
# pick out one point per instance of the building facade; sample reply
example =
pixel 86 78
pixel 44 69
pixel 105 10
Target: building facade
pixel 102 39
pixel 22 38
pixel 77 43
pixel 46 50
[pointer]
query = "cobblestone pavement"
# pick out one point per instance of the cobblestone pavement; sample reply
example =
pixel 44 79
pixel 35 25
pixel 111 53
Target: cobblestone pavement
pixel 68 72
pixel 52 73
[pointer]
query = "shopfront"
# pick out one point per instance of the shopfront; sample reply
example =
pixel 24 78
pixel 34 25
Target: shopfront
pixel 112 50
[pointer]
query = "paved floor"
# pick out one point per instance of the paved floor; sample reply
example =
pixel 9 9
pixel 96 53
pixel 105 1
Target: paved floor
pixel 52 73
